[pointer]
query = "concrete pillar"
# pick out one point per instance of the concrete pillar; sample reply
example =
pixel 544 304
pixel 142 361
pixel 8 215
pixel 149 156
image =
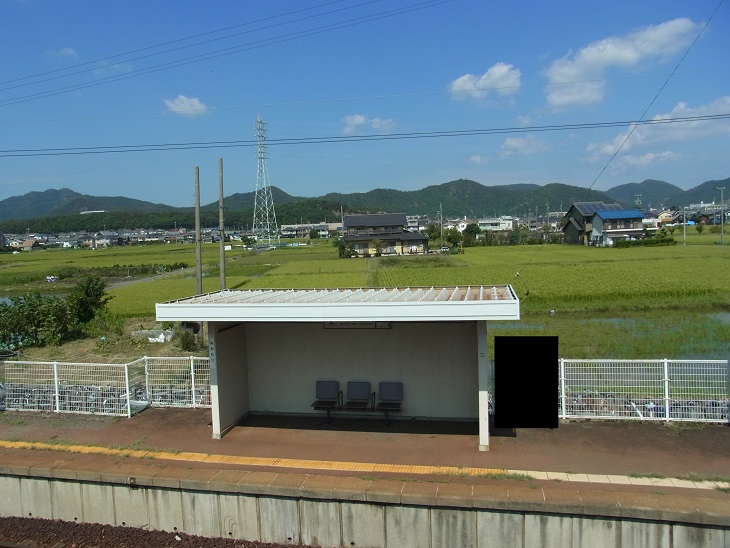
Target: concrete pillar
pixel 484 383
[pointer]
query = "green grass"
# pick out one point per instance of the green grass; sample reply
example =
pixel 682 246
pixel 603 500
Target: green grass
pixel 32 267
pixel 702 477
pixel 506 476
pixel 648 334
pixel 633 303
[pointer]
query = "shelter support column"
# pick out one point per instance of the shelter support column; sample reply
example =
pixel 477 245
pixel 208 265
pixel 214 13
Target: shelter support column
pixel 484 382
pixel 214 399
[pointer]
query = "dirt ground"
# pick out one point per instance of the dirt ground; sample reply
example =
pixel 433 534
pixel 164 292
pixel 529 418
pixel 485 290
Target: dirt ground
pixel 590 447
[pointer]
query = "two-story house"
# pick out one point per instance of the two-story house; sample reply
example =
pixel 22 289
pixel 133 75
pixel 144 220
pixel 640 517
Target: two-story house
pixel 577 223
pixel 613 225
pixel 382 233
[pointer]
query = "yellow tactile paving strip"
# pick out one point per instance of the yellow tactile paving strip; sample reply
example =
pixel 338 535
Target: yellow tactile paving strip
pixel 303 464
pixel 256 461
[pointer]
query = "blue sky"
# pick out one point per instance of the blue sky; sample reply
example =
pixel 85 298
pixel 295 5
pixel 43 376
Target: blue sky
pixel 525 83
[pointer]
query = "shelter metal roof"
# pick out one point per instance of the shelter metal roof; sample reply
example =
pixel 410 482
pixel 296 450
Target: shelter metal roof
pixel 498 302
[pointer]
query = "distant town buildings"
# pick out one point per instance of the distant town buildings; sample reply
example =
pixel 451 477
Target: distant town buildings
pixel 588 223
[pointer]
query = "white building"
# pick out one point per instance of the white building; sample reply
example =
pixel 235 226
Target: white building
pixel 268 348
pixel 496 223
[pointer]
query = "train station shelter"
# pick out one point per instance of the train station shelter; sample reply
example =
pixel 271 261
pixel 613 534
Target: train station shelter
pixel 269 348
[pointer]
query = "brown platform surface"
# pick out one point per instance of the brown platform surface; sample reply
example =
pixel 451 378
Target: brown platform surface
pixel 601 467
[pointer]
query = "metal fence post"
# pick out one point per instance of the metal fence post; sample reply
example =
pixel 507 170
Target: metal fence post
pixel 562 388
pixel 55 387
pixel 147 381
pixel 129 390
pixel 192 380
pixel 666 389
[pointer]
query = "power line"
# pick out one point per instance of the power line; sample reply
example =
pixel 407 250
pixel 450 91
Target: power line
pixel 360 98
pixel 96 62
pixel 651 103
pixel 67 151
pixel 225 51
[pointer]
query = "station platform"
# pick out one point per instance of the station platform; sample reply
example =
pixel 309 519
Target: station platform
pixel 678 471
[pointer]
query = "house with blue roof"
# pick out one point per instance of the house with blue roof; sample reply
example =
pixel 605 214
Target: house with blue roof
pixel 609 226
pixel 578 221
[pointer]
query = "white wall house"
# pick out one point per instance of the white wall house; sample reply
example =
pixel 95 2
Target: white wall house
pixel 496 223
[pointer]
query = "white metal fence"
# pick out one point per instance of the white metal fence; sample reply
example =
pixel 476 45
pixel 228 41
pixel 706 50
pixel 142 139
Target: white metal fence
pixel 689 390
pixel 669 390
pixel 103 388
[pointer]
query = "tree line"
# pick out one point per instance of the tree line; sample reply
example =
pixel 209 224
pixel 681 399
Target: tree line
pixel 314 211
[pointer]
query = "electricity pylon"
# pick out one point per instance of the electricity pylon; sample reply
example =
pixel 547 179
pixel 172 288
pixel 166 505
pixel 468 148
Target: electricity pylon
pixel 265 228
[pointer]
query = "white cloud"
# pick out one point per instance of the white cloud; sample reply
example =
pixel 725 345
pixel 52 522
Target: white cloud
pixel 647 160
pixel 478 160
pixel 655 135
pixel 357 123
pixel 525 120
pixel 500 79
pixel 186 106
pixel 577 79
pixel 106 69
pixel 64 53
pixel 521 146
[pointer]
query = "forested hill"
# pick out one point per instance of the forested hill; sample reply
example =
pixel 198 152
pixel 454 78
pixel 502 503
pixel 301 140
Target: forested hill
pixel 58 202
pixel 59 210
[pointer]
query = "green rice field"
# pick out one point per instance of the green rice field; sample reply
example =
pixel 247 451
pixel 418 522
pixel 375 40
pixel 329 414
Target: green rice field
pixel 655 302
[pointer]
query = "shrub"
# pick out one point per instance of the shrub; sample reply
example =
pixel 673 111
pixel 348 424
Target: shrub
pixel 646 242
pixel 188 341
pixel 105 323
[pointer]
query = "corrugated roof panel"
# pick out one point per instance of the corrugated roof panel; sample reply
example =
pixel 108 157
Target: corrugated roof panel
pixel 371 294
pixel 347 305
pixel 381 296
pixel 307 296
pixel 399 294
pixel 253 297
pixel 418 294
pixel 349 295
pixel 456 295
pixel 443 295
pixel 472 294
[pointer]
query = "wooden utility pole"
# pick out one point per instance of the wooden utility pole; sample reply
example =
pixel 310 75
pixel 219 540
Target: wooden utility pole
pixel 198 237
pixel 221 225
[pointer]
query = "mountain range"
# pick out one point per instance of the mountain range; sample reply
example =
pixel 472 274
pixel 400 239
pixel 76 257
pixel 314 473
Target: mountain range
pixel 462 197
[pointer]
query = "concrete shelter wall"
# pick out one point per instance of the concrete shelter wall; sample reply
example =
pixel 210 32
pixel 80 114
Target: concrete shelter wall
pixel 228 375
pixel 435 361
